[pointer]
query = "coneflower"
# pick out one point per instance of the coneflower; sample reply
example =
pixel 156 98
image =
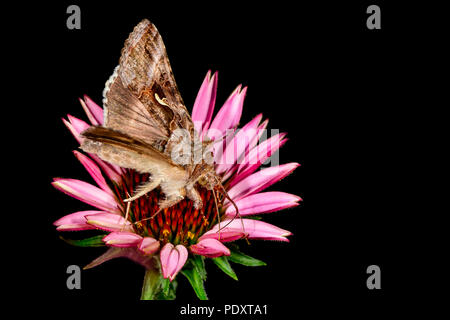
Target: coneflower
pixel 179 237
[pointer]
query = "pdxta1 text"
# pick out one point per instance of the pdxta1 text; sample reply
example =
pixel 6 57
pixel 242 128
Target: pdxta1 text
pixel 229 309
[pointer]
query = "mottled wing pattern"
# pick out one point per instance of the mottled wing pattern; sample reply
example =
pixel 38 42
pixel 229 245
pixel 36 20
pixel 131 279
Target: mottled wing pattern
pixel 124 112
pixel 145 70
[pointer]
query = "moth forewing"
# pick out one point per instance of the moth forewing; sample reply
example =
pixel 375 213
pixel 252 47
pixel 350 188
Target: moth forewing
pixel 146 125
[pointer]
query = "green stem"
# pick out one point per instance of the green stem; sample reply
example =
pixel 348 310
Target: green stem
pixel 152 282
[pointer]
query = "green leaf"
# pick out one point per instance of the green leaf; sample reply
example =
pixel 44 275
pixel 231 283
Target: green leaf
pixel 196 282
pixel 95 241
pixel 224 265
pixel 238 257
pixel 199 263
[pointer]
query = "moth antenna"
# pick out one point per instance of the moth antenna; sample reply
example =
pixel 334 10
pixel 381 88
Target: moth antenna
pixel 225 193
pixel 217 209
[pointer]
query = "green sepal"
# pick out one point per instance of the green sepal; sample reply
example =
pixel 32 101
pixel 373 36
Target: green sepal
pixel 169 290
pixel 95 241
pixel 155 287
pixel 165 286
pixel 151 287
pixel 238 257
pixel 224 265
pixel 195 279
pixel 198 263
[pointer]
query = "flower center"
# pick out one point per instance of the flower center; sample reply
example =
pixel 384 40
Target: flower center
pixel 179 224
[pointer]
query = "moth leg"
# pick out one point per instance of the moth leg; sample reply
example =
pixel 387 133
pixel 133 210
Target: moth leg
pixel 172 198
pixel 174 191
pixel 167 203
pixel 193 194
pixel 126 216
pixel 143 189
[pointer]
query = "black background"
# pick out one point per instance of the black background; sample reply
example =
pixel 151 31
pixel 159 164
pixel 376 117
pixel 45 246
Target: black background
pixel 342 92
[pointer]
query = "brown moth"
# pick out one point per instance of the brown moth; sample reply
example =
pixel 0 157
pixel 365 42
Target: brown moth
pixel 147 126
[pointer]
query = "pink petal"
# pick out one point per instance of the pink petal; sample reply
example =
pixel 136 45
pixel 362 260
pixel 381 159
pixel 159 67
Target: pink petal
pixel 238 145
pixel 182 260
pixel 122 239
pixel 226 235
pixel 109 222
pixel 229 173
pixel 174 257
pixel 258 156
pixel 94 171
pixel 93 110
pixel 254 229
pixel 261 152
pixel 204 103
pixel 87 193
pixel 220 143
pixel 78 126
pixel 263 202
pixel 261 180
pixel 210 248
pixel 149 245
pixel 164 256
pixel 172 260
pixel 88 113
pixel 261 130
pixel 72 130
pixel 75 221
pixel 229 115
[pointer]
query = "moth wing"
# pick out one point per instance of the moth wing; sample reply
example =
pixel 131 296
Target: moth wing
pixel 125 151
pixel 145 70
pixel 124 112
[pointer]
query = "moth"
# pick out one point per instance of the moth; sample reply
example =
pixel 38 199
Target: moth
pixel 147 126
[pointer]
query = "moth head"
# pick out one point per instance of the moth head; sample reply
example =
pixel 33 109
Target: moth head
pixel 209 180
